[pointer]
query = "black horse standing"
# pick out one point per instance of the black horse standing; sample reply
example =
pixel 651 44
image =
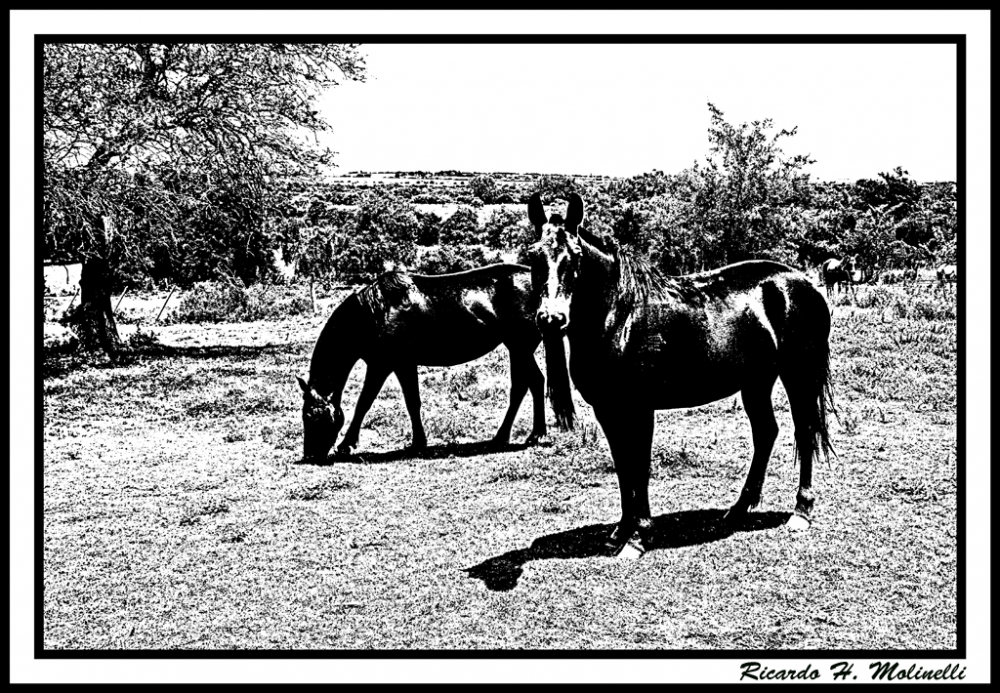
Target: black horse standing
pixel 404 320
pixel 640 341
pixel 834 271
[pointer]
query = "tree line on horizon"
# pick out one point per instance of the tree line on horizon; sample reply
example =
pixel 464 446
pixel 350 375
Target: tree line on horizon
pixel 180 163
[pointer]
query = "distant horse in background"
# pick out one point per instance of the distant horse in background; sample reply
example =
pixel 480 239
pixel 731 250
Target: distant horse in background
pixel 947 274
pixel 640 341
pixel 404 320
pixel 834 271
pixel 865 272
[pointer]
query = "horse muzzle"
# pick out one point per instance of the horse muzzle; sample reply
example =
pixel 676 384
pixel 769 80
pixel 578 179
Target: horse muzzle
pixel 314 453
pixel 551 321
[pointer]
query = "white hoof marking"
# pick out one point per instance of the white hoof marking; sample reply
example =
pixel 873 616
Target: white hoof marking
pixel 797 523
pixel 632 549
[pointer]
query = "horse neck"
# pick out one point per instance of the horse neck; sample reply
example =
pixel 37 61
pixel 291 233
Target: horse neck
pixel 595 295
pixel 338 349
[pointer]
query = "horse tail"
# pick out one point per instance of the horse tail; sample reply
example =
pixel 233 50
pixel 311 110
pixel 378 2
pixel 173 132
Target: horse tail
pixel 805 372
pixel 820 431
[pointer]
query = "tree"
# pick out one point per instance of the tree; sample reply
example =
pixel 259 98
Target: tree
pixel 384 234
pixel 552 188
pixel 744 185
pixel 508 230
pixel 461 228
pixel 484 186
pixel 170 151
pixel 430 228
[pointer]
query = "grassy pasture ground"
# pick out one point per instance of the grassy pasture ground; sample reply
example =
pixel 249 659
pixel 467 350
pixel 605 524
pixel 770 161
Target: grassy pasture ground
pixel 177 514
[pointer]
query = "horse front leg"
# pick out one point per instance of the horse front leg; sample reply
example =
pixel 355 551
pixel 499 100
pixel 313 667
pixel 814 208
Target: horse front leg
pixel 630 437
pixel 409 382
pixel 374 379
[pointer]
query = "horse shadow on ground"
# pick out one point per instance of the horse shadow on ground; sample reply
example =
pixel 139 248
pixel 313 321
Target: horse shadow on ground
pixel 685 528
pixel 431 452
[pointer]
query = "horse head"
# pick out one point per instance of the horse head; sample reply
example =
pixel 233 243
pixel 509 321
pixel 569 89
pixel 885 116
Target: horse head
pixel 555 261
pixel 321 421
pixel 555 264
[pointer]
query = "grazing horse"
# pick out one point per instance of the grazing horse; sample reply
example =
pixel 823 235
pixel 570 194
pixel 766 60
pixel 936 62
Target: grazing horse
pixel 640 341
pixel 835 271
pixel 947 274
pixel 404 320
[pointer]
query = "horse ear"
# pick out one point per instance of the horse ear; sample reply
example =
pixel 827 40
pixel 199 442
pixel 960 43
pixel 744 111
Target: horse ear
pixel 574 215
pixel 536 212
pixel 303 385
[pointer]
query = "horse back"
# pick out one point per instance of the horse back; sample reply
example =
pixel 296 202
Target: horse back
pixel 705 335
pixel 500 292
pixel 453 318
pixel 833 271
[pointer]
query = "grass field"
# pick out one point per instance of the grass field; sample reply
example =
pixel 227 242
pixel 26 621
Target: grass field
pixel 177 513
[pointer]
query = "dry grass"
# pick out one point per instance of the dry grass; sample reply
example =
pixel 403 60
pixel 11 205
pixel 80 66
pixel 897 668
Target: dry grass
pixel 177 514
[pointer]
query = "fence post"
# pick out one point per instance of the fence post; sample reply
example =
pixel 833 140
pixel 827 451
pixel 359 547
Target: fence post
pixel 72 300
pixel 120 300
pixel 172 290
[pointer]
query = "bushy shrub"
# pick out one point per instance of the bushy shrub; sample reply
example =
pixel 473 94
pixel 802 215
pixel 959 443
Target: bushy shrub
pixel 224 302
pixel 430 228
pixel 508 230
pixel 142 339
pixel 484 186
pixel 385 233
pixel 446 259
pixel 470 200
pixel 430 198
pixel 899 302
pixel 461 228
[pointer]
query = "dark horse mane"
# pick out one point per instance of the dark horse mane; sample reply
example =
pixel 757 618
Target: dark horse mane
pixel 366 309
pixel 390 289
pixel 638 279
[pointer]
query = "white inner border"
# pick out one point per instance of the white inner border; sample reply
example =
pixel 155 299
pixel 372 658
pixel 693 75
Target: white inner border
pixel 24 24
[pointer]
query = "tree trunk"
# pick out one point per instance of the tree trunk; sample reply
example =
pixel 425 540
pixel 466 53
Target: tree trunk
pixel 95 319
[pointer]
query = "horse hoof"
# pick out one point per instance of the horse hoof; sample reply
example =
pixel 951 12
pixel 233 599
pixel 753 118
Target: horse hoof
pixel 797 523
pixel 534 439
pixel 497 443
pixel 736 512
pixel 631 549
pixel 346 450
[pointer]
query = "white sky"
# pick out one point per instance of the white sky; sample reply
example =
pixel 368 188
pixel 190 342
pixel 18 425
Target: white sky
pixel 622 109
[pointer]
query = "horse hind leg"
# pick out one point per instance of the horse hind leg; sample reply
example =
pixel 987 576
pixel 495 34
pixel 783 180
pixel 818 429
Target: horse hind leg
pixel 518 388
pixel 536 384
pixel 409 383
pixel 760 411
pixel 808 415
pixel 809 399
pixel 524 376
